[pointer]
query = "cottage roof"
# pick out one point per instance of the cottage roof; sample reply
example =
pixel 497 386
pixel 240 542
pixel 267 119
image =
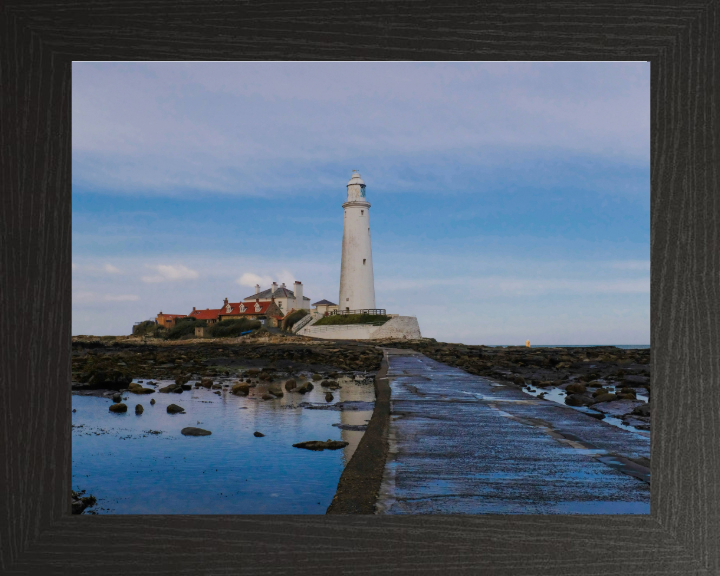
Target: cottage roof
pixel 173 315
pixel 249 308
pixel 206 314
pixel 324 303
pixel 280 292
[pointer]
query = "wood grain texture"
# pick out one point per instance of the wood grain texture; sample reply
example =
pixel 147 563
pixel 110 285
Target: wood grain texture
pixel 38 42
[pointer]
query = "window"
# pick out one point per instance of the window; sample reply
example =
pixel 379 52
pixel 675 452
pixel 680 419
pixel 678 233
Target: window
pixel 364 261
pixel 362 212
pixel 347 299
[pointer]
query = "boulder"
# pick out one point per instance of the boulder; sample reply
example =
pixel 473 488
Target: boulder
pixel 268 397
pixel 642 410
pixel 216 386
pixel 186 386
pixel 240 389
pixel 290 385
pixel 139 409
pixel 258 434
pixel 110 379
pixel 594 384
pixel 617 407
pixel 606 397
pixel 575 388
pixel 316 377
pixel 319 445
pixel 332 384
pixel 174 388
pixel 135 388
pixel 206 383
pixel 152 402
pixel 175 409
pixel 599 391
pixel 275 392
pixel 119 407
pixel 329 397
pixel 116 398
pixel 192 431
pixel 576 400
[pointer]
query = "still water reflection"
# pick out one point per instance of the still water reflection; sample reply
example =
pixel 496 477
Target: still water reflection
pixel 141 464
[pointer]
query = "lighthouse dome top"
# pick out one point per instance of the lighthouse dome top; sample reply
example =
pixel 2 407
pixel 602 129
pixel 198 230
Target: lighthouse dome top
pixel 356 179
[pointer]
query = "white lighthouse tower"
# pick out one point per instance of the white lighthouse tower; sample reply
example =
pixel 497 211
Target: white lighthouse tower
pixel 357 285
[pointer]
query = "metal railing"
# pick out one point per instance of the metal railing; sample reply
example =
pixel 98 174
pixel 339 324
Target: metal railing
pixel 371 311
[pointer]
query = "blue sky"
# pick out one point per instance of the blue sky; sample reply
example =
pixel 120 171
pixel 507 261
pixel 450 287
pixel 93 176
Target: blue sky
pixel 510 201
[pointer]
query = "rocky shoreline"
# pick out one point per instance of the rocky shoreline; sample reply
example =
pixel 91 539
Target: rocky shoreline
pixel 607 380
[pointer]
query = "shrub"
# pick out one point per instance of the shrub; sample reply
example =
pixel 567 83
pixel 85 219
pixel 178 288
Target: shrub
pixel 184 327
pixel 146 327
pixel 292 318
pixel 232 328
pixel 338 319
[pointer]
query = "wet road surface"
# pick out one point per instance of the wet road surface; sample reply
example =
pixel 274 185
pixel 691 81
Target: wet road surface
pixel 462 444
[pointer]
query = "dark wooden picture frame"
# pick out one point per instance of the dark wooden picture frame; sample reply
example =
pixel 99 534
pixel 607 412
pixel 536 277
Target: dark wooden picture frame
pixel 38 42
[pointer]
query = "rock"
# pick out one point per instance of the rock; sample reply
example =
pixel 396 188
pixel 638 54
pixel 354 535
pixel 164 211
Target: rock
pixel 116 398
pixel 135 388
pixel 642 410
pixel 329 397
pixel 217 392
pixel 290 385
pixel 175 409
pixel 606 397
pixel 320 445
pixel 575 388
pixel 355 427
pixel 268 397
pixel 139 409
pixel 275 392
pixel 206 383
pixel 305 388
pixel 316 377
pixel 617 407
pixel 258 434
pixel 639 422
pixel 332 384
pixel 119 407
pixel 594 384
pixel 576 400
pixel 192 431
pixel 636 381
pixel 110 379
pixel 600 391
pixel 174 388
pixel 186 386
pixel 216 386
pixel 152 401
pixel 519 380
pixel 240 389
pixel 626 396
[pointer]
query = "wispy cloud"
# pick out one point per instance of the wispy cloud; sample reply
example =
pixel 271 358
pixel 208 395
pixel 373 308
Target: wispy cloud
pixel 170 273
pixel 168 127
pixel 109 268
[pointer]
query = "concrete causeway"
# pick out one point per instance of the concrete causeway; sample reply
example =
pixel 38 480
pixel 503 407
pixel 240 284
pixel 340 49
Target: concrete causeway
pixel 462 444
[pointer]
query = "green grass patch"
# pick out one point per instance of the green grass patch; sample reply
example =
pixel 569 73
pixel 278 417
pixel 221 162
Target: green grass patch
pixel 341 319
pixel 232 328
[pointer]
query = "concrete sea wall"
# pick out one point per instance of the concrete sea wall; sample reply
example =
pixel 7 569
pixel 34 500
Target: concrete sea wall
pixel 399 327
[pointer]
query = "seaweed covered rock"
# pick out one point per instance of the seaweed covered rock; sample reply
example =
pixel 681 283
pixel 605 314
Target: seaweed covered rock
pixel 119 407
pixel 319 445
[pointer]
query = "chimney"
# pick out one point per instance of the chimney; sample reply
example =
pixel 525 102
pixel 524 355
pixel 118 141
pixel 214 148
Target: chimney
pixel 273 289
pixel 193 308
pixel 298 295
pixel 226 301
pixel 257 288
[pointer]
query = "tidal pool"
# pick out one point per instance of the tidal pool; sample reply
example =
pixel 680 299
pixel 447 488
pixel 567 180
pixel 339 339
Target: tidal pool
pixel 141 464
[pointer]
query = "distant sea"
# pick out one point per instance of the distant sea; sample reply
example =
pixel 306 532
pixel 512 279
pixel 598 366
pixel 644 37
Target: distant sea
pixel 626 346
